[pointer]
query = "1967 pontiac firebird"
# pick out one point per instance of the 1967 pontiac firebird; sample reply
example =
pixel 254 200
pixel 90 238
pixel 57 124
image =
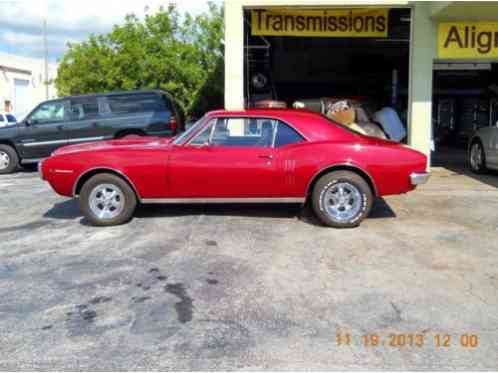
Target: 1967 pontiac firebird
pixel 251 156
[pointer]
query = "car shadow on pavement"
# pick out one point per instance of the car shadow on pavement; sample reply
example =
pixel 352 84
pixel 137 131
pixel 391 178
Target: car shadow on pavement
pixel 69 210
pixel 66 210
pixel 380 210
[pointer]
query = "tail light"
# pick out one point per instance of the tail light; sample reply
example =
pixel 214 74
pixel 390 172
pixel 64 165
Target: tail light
pixel 173 124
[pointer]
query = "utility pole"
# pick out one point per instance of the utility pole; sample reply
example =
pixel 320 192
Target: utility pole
pixel 45 47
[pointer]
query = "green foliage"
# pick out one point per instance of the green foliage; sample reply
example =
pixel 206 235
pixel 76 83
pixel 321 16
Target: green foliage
pixel 178 53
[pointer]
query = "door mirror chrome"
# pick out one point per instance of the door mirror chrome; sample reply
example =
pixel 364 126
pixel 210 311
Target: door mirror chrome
pixel 30 122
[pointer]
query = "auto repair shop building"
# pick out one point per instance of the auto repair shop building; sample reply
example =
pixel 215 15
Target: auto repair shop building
pixel 436 63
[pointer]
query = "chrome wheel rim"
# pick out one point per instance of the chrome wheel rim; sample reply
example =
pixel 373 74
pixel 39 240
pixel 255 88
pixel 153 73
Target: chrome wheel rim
pixel 476 157
pixel 4 160
pixel 106 201
pixel 342 201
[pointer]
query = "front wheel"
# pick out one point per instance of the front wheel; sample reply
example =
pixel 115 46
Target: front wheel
pixel 477 158
pixel 106 200
pixel 8 159
pixel 342 199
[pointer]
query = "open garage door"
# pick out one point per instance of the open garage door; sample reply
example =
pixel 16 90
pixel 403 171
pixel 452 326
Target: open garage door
pixel 22 97
pixel 465 93
pixel 312 57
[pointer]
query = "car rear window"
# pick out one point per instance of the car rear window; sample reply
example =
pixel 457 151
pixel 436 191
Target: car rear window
pixel 11 118
pixel 167 101
pixel 287 135
pixel 136 103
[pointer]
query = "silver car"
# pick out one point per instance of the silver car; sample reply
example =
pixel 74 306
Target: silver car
pixel 483 150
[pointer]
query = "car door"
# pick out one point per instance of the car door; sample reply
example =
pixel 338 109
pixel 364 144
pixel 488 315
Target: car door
pixel 492 152
pixel 230 158
pixel 292 159
pixel 85 123
pixel 44 129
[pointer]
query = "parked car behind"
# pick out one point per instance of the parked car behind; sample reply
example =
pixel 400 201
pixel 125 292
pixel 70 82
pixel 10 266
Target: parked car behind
pixel 7 119
pixel 88 118
pixel 483 150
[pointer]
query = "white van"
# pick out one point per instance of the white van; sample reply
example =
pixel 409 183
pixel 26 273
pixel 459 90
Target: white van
pixel 7 119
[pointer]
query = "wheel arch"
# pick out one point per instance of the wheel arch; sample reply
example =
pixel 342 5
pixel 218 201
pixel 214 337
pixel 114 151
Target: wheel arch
pixel 473 140
pixel 12 145
pixel 342 167
pixel 129 131
pixel 85 176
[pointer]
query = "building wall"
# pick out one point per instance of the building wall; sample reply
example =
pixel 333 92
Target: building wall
pixel 14 68
pixel 422 56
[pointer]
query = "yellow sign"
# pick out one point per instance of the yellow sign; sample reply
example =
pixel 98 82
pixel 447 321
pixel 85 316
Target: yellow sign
pixel 468 40
pixel 353 23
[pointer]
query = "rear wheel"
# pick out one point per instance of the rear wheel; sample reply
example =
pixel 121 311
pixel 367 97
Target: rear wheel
pixel 342 199
pixel 106 200
pixel 477 158
pixel 9 159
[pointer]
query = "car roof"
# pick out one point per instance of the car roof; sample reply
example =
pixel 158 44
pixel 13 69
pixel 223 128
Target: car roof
pixel 106 94
pixel 311 124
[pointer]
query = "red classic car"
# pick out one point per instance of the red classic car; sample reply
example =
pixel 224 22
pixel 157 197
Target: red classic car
pixel 252 156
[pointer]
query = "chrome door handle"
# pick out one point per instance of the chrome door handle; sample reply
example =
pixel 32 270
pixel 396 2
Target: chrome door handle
pixel 266 156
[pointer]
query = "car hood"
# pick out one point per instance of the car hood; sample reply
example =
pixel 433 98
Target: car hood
pixel 130 142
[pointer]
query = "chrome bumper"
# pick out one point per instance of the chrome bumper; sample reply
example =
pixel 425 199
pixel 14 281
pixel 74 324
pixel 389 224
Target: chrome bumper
pixel 419 178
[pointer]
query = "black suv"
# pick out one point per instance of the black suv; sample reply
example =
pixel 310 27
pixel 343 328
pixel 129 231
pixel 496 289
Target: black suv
pixel 79 119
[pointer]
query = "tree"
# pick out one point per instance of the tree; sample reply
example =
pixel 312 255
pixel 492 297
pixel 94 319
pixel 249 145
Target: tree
pixel 179 53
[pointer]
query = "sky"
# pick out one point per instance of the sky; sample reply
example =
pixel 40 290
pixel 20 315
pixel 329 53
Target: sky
pixel 21 21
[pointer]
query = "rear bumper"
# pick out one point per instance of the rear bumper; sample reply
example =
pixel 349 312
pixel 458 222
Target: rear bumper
pixel 419 178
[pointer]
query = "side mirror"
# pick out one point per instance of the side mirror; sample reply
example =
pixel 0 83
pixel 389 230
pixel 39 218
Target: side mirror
pixel 27 122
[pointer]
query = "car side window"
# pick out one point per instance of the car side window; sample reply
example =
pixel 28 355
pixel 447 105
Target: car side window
pixel 244 132
pixel 1 118
pixel 287 135
pixel 50 112
pixel 136 103
pixel 202 138
pixel 84 109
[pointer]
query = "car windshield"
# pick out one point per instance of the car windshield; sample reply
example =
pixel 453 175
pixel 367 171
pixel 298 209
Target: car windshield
pixel 180 139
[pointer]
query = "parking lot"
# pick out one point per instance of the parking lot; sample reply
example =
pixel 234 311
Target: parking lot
pixel 250 287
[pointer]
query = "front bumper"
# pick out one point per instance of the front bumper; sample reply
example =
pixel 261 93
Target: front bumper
pixel 419 178
pixel 40 170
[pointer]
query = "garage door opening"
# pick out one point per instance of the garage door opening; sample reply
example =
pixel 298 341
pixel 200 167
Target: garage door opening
pixel 465 99
pixel 307 71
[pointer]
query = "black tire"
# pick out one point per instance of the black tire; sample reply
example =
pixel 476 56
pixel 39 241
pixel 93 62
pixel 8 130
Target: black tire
pixel 477 167
pixel 9 159
pixel 359 192
pixel 128 200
